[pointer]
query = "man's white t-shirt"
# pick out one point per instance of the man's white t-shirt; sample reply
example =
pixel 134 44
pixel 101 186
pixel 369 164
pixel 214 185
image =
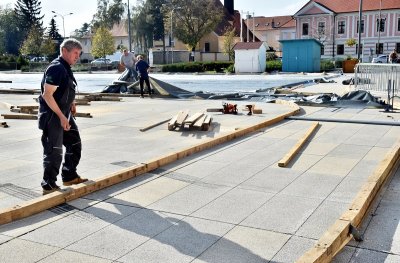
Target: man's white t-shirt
pixel 128 60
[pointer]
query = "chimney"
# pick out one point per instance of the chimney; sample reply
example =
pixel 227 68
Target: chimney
pixel 229 6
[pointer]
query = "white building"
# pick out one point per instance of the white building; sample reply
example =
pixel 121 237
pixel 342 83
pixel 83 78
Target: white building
pixel 250 57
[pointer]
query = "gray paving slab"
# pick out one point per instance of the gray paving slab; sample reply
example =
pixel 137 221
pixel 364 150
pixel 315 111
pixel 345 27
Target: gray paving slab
pixel 347 189
pixel 283 213
pixel 329 165
pixel 382 233
pixel 370 256
pixel 313 185
pixel 180 243
pixel 233 206
pixel 322 218
pixel 120 238
pixel 18 251
pixel 201 168
pixel 66 256
pixel 243 244
pixel 190 198
pixel 271 179
pixel 293 249
pixel 4 238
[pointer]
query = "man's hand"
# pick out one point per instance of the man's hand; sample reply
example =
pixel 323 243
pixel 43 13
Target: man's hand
pixel 73 109
pixel 65 123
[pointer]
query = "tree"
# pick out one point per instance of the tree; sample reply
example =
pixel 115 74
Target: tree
pixel 195 19
pixel 9 34
pixel 103 43
pixel 49 48
pixel 53 31
pixel 33 42
pixel 108 14
pixel 28 15
pixel 229 42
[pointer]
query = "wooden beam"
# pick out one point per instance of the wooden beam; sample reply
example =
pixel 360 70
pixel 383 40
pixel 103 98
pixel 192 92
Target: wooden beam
pixel 154 125
pixel 20 116
pixel 291 154
pixel 42 203
pixel 338 235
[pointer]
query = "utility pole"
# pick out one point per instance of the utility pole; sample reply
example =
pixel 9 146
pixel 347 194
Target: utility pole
pixel 62 16
pixel 378 50
pixel 129 29
pixel 359 31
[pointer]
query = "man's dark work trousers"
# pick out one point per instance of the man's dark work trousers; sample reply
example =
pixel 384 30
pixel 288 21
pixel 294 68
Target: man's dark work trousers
pixel 53 138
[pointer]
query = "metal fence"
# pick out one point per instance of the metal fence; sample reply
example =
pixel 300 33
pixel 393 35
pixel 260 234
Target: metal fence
pixel 380 78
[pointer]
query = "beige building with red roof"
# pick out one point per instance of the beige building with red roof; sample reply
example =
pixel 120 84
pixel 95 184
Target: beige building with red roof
pixel 271 30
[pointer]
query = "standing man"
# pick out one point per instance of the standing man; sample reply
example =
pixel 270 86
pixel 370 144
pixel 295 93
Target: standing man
pixel 143 68
pixel 128 61
pixel 56 111
pixel 393 57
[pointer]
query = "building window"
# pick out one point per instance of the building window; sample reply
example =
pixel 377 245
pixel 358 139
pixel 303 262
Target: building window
pixel 305 29
pixel 398 47
pixel 206 47
pixel 340 49
pixel 380 25
pixel 361 51
pixel 379 48
pixel 321 28
pixel 322 50
pixel 362 26
pixel 398 24
pixel 341 27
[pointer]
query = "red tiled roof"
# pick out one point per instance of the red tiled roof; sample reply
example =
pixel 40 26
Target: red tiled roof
pixel 248 45
pixel 265 23
pixel 347 6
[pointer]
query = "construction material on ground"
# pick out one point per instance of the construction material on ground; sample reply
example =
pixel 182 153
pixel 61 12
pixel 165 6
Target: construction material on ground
pixel 99 97
pixel 345 228
pixel 25 109
pixel 5 81
pixel 82 102
pixel 153 125
pixel 20 116
pixel 251 108
pixel 192 119
pixel 207 123
pixel 177 120
pixel 227 108
pixel 42 203
pixel 372 122
pixel 292 153
pixel 83 115
pixel 4 124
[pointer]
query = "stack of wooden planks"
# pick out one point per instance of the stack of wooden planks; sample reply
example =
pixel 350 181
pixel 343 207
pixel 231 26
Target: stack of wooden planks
pixel 198 120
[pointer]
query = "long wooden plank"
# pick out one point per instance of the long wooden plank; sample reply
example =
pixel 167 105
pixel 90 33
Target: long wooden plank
pixel 192 119
pixel 182 117
pixel 154 125
pixel 20 116
pixel 296 148
pixel 200 121
pixel 42 203
pixel 334 241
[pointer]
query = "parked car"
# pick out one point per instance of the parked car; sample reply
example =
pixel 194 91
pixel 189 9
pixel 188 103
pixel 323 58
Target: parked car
pixel 101 62
pixel 381 59
pixel 38 59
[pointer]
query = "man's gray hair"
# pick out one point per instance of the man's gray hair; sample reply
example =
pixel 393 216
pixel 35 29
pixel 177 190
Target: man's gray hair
pixel 69 44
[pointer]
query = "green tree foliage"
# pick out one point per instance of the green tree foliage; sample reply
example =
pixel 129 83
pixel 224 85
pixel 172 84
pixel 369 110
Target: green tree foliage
pixel 28 15
pixel 53 31
pixel 49 48
pixel 9 34
pixel 229 42
pixel 84 30
pixel 33 42
pixel 195 19
pixel 103 43
pixel 108 14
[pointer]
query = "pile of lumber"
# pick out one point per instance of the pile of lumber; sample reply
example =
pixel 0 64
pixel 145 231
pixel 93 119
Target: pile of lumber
pixel 198 120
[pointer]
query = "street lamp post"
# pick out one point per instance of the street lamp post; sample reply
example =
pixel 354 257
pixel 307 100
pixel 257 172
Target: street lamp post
pixel 359 31
pixel 62 16
pixel 129 29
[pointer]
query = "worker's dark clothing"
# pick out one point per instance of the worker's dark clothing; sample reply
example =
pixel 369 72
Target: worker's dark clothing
pixel 54 137
pixel 141 68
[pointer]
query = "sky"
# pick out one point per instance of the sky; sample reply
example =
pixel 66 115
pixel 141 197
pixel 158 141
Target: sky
pixel 83 10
